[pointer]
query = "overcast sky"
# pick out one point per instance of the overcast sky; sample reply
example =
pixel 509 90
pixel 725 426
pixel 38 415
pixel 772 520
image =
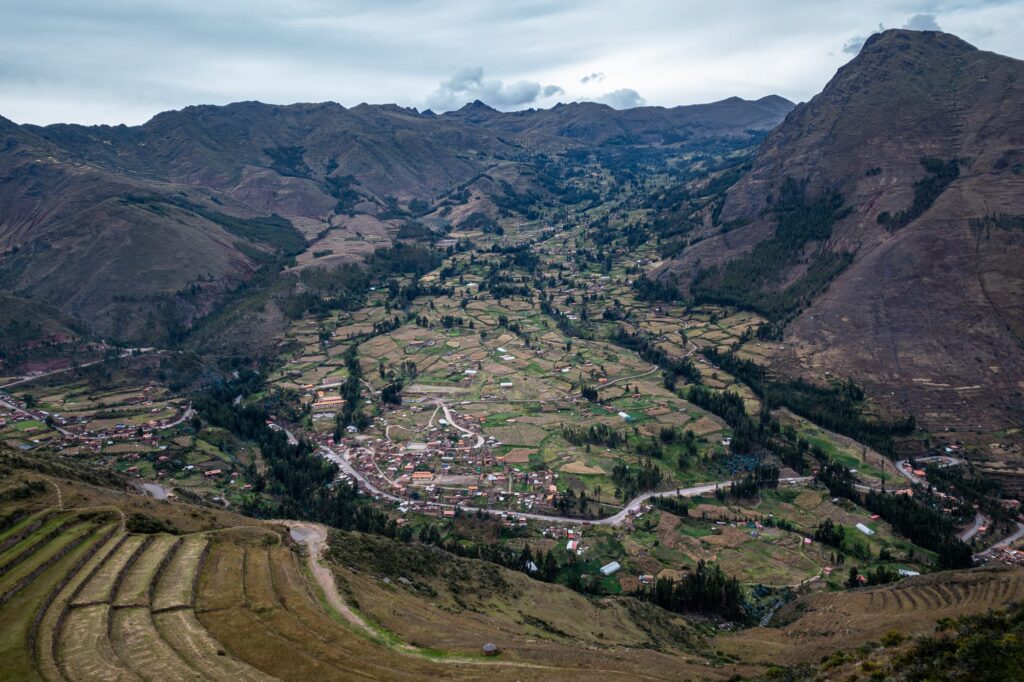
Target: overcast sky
pixel 122 61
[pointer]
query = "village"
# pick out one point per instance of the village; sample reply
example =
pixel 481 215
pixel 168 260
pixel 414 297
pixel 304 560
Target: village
pixel 532 387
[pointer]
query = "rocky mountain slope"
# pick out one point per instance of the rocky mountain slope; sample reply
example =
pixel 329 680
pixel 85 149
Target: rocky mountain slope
pixel 921 136
pixel 592 123
pixel 140 231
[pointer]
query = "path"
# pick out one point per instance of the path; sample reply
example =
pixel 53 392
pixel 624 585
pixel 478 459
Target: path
pixel 453 424
pixel 630 378
pixel 314 537
pixel 387 430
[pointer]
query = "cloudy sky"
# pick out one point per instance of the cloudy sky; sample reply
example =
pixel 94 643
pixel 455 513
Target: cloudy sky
pixel 122 61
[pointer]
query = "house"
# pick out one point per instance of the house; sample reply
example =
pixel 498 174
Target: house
pixel 329 403
pixel 609 569
pixel 864 529
pixel 571 546
pixel 422 476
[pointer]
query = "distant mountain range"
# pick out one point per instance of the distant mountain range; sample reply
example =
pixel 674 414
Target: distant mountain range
pixel 922 137
pixel 591 123
pixel 139 231
pixel 880 224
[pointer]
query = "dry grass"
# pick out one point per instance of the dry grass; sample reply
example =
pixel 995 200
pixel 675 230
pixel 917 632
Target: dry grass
pixel 134 588
pixel 821 623
pixel 704 426
pixel 100 585
pixel 175 585
pixel 519 455
pixel 138 643
pixel 518 434
pixel 85 652
pixel 581 468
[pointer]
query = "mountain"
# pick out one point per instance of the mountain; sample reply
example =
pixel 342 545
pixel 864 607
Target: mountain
pixel 593 124
pixel 919 144
pixel 141 231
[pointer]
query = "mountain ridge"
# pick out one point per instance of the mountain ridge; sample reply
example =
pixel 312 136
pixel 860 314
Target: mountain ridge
pixel 67 189
pixel 929 311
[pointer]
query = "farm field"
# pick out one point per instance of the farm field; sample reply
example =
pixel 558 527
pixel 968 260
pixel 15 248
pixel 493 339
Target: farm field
pixel 810 626
pixel 95 602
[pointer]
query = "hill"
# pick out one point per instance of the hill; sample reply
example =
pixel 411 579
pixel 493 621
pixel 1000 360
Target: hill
pixel 99 582
pixel 141 231
pixel 881 224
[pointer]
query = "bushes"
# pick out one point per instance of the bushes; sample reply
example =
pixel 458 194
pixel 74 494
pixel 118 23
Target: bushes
pixel 749 281
pixel 926 191
pixel 288 161
pixel 830 534
pixel 143 523
pixel 707 590
pixel 836 407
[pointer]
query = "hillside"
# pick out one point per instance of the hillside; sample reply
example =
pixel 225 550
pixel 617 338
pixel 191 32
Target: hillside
pixel 100 582
pixel 907 207
pixel 136 230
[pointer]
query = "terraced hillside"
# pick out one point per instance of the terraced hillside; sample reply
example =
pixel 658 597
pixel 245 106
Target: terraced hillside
pixel 819 624
pixel 84 598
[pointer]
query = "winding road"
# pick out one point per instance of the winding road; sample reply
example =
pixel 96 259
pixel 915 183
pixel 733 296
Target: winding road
pixel 614 520
pixel 451 421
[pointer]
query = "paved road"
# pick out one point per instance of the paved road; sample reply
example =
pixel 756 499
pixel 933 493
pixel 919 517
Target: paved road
pixel 187 414
pixel 614 520
pixel 909 475
pixel 979 521
pixel 1012 538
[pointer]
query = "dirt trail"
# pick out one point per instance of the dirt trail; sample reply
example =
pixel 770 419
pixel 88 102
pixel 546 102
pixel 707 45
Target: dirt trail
pixel 314 537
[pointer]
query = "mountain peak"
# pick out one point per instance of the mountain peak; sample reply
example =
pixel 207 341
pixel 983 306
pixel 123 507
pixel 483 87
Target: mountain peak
pixel 478 106
pixel 902 39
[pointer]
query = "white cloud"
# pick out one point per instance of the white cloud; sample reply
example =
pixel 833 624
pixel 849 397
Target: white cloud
pixel 922 22
pixel 469 84
pixel 623 98
pixel 853 45
pixel 918 22
pixel 122 61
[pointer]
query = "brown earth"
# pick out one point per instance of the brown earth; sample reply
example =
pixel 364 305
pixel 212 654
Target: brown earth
pixel 930 317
